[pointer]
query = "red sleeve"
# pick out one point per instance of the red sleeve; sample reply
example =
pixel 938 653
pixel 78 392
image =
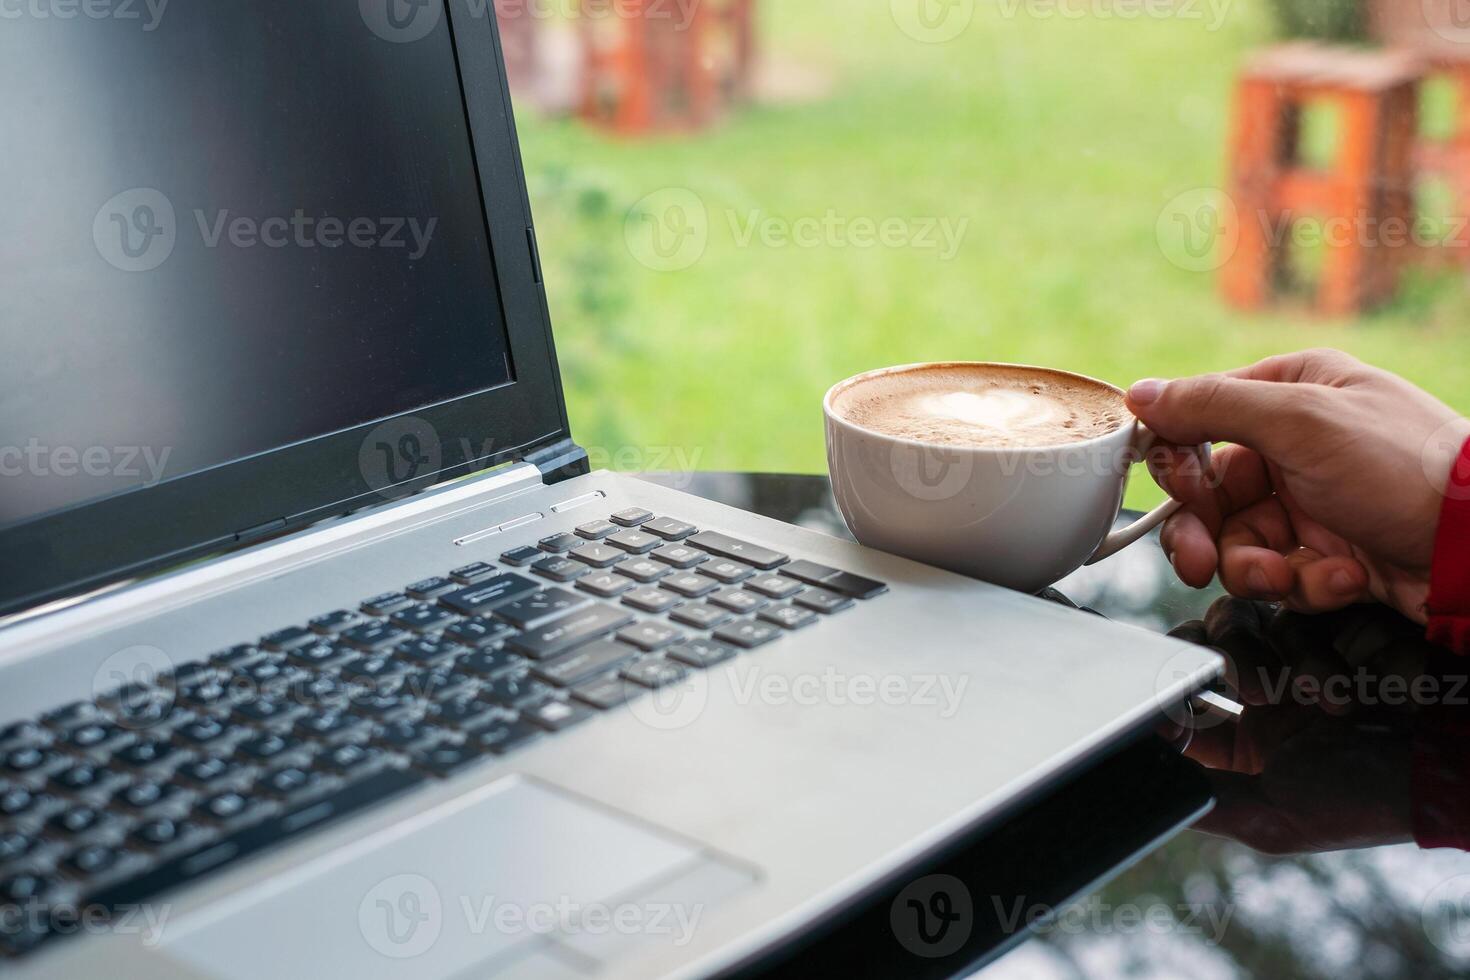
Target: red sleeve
pixel 1449 576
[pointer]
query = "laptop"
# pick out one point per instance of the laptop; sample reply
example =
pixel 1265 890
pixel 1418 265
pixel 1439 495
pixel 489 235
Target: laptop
pixel 326 654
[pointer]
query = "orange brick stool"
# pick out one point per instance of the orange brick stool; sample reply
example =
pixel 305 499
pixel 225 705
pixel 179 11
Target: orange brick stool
pixel 665 66
pixel 1370 183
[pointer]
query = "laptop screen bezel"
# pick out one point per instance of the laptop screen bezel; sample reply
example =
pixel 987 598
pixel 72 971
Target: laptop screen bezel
pixel 90 545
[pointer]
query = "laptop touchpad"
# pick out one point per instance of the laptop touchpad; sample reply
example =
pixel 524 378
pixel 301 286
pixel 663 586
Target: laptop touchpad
pixel 514 876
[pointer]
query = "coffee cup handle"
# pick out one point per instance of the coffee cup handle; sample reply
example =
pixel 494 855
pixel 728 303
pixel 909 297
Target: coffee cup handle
pixel 1123 537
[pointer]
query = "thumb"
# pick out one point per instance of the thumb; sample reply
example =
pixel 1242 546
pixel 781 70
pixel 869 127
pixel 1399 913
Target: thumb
pixel 1217 408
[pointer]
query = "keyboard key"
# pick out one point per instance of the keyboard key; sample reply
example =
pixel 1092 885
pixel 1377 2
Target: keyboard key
pixel 332 623
pixel 94 736
pixel 584 663
pixel 91 860
pixel 238 656
pixel 373 637
pixel 16 801
pixel 75 820
pixel 224 807
pixel 490 663
pixel 466 713
pixel 650 599
pixel 606 585
pixel 322 654
pixel 501 739
pixel 635 542
pixel 290 782
pixel 27 732
pixel 669 528
pixel 425 651
pixel 809 572
pixel 701 654
pixel 539 608
pixel 143 754
pixel 516 691
pixel 160 832
pixel 701 615
pixel 481 631
pixel 596 530
pixel 557 716
pixel 522 556
pixel 632 517
pixel 748 634
pixel 774 586
pixel 598 555
pixel 409 735
pixel 26 759
pixel 822 601
pixel 265 748
pixel 643 569
pixel 436 683
pixel 728 547
pixel 210 772
pixel 385 604
pixel 207 732
pixel 557 544
pixel 474 573
pixel 349 759
pixel 480 599
pixel 146 794
pixel 384 706
pixel 424 619
pixel 655 673
pixel 560 569
pixel 287 639
pixel 605 693
pixel 79 778
pixel 690 585
pixel 740 600
pixel 679 556
pixel 788 617
pixel 447 759
pixel 432 588
pixel 854 585
pixel 15 845
pixel 72 715
pixel 727 571
pixel 650 636
pixel 266 710
pixel 570 631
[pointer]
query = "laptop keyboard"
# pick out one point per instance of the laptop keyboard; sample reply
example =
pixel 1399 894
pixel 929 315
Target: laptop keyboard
pixel 105 804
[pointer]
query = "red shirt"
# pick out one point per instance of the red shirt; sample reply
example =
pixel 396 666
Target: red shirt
pixel 1441 776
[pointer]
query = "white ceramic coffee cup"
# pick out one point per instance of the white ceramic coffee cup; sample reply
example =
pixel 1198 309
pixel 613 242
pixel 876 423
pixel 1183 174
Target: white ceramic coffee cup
pixel 1022 518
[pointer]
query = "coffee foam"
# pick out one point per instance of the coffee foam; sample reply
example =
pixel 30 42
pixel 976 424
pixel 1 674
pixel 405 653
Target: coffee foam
pixel 986 406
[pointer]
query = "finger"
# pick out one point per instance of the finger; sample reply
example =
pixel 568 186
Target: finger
pixel 1321 365
pixel 1217 407
pixel 1179 470
pixel 1252 544
pixel 1237 629
pixel 1190 548
pixel 1325 583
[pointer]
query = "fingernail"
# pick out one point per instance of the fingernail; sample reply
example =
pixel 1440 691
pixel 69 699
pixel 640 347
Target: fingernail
pixel 1146 392
pixel 1343 583
pixel 1256 579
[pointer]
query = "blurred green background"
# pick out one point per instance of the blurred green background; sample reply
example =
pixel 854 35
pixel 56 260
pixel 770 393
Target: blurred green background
pixel 1073 151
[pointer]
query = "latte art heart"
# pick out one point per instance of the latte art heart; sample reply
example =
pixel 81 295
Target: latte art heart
pixel 985 406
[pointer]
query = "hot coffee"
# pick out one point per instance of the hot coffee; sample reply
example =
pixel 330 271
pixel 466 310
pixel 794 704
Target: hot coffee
pixel 983 406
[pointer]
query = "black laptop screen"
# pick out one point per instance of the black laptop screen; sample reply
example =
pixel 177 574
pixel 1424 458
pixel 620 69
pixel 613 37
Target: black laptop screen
pixel 225 228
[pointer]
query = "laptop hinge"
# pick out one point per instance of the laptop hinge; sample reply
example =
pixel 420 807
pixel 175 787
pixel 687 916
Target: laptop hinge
pixel 560 461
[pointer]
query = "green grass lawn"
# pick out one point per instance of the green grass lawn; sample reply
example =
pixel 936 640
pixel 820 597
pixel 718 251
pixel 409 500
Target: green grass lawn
pixel 1058 141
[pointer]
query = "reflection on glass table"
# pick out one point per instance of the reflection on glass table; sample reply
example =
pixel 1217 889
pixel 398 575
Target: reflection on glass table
pixel 1335 847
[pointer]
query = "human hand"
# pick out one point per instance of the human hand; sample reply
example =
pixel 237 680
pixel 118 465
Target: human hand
pixel 1330 493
